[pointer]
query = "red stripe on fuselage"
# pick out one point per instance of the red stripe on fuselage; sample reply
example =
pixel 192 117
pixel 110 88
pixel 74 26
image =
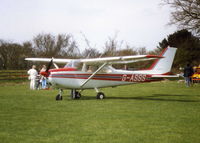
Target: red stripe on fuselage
pixel 63 69
pixel 109 77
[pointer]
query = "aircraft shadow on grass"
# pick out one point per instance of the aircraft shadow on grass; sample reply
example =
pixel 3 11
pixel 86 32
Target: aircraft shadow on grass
pixel 154 97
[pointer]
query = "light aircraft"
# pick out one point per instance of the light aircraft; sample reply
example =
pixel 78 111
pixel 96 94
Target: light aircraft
pixel 96 73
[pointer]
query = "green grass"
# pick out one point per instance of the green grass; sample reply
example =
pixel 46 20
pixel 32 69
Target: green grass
pixel 158 112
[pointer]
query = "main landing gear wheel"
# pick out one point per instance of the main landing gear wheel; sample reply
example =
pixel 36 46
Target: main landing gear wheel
pixel 100 95
pixel 75 94
pixel 59 97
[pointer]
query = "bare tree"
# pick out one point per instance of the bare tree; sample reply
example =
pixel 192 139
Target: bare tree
pixel 127 51
pixel 91 53
pixel 47 45
pixel 111 46
pixel 4 54
pixel 12 54
pixel 186 13
pixel 142 51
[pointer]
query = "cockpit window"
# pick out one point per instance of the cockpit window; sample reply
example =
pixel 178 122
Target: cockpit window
pixel 87 68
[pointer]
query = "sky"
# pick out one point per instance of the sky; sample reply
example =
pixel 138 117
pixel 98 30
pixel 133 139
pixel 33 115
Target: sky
pixel 138 23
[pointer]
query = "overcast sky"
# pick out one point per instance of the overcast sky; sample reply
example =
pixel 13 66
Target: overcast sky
pixel 139 23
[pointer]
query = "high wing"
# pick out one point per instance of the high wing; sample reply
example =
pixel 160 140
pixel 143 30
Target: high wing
pixel 110 60
pixel 120 59
pixel 48 60
pixel 132 61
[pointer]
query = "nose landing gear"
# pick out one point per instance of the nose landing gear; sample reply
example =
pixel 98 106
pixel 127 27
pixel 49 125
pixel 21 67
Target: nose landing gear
pixel 59 96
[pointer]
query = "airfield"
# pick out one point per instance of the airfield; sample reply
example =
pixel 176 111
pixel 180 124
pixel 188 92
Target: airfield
pixel 160 112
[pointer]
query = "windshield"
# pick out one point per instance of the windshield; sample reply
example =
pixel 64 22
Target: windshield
pixel 74 64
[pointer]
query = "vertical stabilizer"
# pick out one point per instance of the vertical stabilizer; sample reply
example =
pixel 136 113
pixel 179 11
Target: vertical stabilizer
pixel 163 65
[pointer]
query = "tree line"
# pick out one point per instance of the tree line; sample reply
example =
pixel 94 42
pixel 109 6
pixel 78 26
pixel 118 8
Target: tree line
pixel 12 55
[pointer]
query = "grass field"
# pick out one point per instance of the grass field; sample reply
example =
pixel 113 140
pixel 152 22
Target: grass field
pixel 158 112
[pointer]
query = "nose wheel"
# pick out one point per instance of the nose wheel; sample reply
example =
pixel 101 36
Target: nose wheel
pixel 59 96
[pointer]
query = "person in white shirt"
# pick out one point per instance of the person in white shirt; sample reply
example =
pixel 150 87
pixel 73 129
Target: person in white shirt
pixel 32 77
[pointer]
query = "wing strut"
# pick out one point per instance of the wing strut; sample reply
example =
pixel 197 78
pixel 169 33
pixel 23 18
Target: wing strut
pixel 93 74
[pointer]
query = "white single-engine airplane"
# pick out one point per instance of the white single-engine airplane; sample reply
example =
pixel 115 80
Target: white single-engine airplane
pixel 95 73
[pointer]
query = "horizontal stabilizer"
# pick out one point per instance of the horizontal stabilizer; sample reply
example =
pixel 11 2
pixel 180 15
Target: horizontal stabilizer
pixel 166 76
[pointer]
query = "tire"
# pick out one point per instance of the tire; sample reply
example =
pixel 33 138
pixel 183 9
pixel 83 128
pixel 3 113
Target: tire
pixel 58 97
pixel 76 96
pixel 100 95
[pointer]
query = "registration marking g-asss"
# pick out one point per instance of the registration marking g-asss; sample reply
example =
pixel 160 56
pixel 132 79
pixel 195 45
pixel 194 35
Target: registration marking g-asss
pixel 134 77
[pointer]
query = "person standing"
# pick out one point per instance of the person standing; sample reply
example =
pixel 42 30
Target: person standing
pixel 32 77
pixel 43 78
pixel 188 72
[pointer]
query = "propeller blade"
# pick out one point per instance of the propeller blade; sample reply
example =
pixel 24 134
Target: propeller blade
pixel 49 65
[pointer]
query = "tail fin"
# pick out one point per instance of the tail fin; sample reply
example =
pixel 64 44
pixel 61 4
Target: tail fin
pixel 163 65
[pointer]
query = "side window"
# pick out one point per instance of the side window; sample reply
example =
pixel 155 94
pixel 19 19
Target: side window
pixel 89 69
pixel 106 70
pixel 92 68
pixel 79 66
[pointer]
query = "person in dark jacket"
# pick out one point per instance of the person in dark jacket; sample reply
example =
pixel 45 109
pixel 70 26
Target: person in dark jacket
pixel 188 72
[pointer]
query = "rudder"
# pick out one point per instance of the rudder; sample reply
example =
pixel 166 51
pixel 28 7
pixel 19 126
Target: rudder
pixel 163 65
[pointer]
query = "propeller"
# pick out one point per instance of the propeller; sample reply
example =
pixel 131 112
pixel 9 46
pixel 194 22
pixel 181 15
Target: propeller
pixel 49 65
pixel 46 73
